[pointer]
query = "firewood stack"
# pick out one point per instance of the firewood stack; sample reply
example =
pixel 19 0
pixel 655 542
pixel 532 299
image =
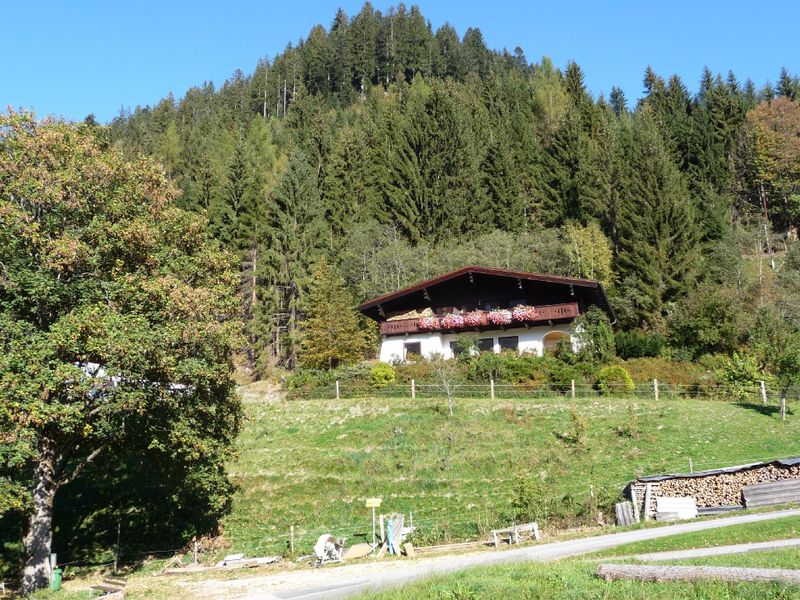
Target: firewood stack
pixel 716 489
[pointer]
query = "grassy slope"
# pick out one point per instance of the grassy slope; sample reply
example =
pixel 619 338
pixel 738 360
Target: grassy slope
pixel 778 529
pixel 312 463
pixel 575 579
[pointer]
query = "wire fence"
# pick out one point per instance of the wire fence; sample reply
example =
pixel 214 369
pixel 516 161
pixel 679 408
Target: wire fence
pixel 758 392
pixel 472 524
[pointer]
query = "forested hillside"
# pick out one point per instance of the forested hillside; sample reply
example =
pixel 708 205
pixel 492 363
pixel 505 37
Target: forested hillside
pixel 397 152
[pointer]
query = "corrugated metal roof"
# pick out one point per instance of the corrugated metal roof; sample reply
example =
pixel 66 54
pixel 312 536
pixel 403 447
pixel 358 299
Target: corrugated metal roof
pixel 784 462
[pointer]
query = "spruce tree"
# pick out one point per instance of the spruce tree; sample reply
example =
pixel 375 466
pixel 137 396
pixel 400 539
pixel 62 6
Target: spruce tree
pixel 657 246
pixel 619 103
pixel 330 331
pixel 295 236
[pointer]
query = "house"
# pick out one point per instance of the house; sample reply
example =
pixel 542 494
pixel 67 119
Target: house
pixel 499 309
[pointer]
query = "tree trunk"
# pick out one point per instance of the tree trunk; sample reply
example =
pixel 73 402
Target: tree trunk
pixel 39 534
pixel 696 573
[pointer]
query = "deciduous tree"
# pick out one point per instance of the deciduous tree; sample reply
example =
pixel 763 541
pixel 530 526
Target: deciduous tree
pixel 116 323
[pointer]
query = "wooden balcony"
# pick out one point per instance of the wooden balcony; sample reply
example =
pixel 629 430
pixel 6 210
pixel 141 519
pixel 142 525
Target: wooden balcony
pixel 551 312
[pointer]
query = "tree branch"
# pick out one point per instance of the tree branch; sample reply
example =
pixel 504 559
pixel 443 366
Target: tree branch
pixel 81 466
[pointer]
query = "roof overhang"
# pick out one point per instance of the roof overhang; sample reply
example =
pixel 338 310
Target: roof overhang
pixel 425 291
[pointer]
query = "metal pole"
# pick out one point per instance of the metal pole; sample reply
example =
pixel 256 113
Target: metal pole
pixel 291 538
pixel 337 389
pixel 413 390
pixel 116 550
pixel 373 526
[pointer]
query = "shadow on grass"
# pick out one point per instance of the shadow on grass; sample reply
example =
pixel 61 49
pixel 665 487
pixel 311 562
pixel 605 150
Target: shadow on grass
pixel 147 505
pixel 767 410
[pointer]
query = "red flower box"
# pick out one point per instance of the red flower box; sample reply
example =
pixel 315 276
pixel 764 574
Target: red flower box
pixel 476 318
pixel 428 323
pixel 524 313
pixel 500 317
pixel 453 321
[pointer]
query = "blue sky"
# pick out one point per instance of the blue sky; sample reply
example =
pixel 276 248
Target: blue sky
pixel 74 57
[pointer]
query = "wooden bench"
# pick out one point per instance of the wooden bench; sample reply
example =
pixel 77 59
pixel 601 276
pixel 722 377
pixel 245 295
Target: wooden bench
pixel 512 534
pixel 112 587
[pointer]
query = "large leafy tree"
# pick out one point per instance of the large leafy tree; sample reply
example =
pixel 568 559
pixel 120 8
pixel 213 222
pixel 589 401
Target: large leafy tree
pixel 116 325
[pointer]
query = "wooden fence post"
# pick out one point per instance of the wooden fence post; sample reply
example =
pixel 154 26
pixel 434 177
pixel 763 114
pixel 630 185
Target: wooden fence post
pixel 491 388
pixel 763 391
pixel 655 388
pixel 337 389
pixel 783 405
pixel 573 389
pixel 413 390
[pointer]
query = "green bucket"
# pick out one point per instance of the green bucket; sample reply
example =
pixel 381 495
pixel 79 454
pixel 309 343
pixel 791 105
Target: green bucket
pixel 55 582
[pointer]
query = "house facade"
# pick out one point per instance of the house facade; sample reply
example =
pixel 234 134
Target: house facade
pixel 495 309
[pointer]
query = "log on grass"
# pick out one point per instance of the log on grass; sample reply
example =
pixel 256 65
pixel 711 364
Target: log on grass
pixel 696 573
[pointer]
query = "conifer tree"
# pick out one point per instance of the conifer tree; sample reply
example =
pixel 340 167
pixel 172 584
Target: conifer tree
pixel 619 103
pixel 295 234
pixel 363 37
pixel 330 331
pixel 448 59
pixel 657 247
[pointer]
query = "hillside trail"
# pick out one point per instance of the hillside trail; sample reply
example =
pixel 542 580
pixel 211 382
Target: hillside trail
pixel 349 580
pixel 261 392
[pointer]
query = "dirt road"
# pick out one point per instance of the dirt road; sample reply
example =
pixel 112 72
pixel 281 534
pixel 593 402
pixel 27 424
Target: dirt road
pixel 348 580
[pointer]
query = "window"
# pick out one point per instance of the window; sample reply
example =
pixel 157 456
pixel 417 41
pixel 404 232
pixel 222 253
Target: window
pixel 552 339
pixel 510 342
pixel 456 348
pixel 486 345
pixel 412 350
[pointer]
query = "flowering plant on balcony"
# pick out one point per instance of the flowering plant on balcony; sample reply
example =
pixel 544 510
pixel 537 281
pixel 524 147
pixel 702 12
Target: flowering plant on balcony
pixel 524 313
pixel 453 321
pixel 499 317
pixel 476 318
pixel 428 323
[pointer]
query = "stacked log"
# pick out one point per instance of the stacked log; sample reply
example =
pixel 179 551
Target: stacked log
pixel 715 489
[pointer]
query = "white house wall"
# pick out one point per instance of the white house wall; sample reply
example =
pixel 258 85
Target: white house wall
pixel 531 340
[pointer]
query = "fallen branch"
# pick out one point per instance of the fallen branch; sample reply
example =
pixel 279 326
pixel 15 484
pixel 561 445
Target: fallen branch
pixel 698 573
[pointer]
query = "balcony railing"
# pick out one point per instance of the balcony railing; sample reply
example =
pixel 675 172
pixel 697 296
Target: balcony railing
pixel 550 312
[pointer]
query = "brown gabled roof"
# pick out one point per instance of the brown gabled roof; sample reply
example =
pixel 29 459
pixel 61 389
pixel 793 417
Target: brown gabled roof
pixel 417 287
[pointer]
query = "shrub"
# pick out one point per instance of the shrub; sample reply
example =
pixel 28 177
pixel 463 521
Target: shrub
pixel 420 371
pixel 614 380
pixel 381 375
pixel 708 320
pixel 507 367
pixel 529 500
pixel 595 336
pixel 579 427
pixel 561 374
pixel 638 344
pixel 666 371
pixel 739 376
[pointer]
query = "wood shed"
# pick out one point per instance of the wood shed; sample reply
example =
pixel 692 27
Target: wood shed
pixel 714 488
